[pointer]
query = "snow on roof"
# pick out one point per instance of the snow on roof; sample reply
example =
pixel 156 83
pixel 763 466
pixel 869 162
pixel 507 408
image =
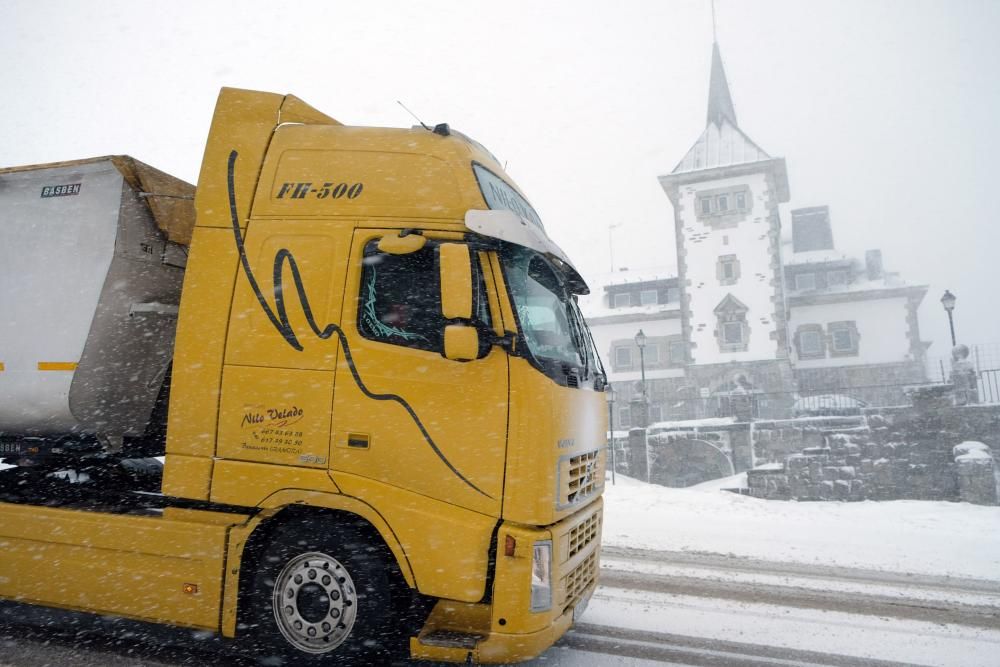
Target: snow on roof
pixel 631 276
pixel 812 256
pixel 593 305
pixel 720 145
pixel 888 281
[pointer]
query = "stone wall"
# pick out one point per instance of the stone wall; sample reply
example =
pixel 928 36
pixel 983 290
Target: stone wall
pixel 774 441
pixel 909 454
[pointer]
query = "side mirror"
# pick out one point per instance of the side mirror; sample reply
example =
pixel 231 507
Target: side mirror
pixel 461 339
pixel 461 342
pixel 402 244
pixel 456 281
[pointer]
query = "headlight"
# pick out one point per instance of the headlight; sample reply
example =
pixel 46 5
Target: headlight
pixel 541 576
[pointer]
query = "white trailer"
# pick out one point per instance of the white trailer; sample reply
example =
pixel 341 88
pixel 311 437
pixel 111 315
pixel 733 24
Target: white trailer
pixel 92 257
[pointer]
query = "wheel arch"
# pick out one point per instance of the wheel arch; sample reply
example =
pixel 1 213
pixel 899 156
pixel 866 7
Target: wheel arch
pixel 249 542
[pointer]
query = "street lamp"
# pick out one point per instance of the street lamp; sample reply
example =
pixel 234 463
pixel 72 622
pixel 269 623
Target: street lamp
pixel 948 301
pixel 640 340
pixel 610 391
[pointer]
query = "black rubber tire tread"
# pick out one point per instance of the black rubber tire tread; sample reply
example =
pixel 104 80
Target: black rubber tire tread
pixel 371 641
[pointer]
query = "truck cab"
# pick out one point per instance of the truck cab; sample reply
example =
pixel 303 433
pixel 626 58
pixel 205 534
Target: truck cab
pixel 384 403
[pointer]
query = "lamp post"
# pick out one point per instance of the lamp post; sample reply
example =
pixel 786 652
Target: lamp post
pixel 610 391
pixel 948 301
pixel 611 250
pixel 640 340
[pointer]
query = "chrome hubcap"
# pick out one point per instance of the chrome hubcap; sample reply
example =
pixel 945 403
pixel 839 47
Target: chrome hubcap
pixel 315 602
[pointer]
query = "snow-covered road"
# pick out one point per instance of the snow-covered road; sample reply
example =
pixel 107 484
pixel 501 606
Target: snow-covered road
pixel 702 609
pixel 689 610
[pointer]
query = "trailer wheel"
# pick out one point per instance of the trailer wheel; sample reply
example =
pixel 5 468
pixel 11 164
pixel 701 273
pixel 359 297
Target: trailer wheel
pixel 321 595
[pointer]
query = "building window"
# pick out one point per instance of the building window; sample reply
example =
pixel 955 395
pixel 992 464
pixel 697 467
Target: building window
pixel 810 342
pixel 655 414
pixel 836 278
pixel 804 281
pixel 732 333
pixel 733 330
pixel 678 352
pixel 623 357
pixel 723 201
pixel 844 339
pixel 727 269
pixel 623 300
pixel 647 297
pixel 624 417
pixel 673 294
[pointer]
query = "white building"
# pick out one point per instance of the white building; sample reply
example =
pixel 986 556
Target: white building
pixel 751 308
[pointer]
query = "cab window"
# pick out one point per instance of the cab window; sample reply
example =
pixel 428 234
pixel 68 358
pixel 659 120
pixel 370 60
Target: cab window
pixel 400 299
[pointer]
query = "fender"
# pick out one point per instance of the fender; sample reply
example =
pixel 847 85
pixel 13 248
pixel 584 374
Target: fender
pixel 272 507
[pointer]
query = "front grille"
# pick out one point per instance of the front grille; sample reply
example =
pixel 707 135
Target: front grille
pixel 584 534
pixel 579 478
pixel 577 581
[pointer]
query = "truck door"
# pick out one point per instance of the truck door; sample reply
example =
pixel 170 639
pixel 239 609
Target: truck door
pixel 277 382
pixel 403 414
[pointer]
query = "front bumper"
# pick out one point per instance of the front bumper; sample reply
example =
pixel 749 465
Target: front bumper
pixel 506 630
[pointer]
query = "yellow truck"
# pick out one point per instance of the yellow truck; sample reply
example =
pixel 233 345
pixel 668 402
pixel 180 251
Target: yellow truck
pixel 381 410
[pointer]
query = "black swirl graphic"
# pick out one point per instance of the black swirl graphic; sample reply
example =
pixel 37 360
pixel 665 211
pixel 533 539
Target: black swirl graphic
pixel 279 318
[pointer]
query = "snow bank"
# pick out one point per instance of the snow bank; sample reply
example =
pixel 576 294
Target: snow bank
pixel 921 537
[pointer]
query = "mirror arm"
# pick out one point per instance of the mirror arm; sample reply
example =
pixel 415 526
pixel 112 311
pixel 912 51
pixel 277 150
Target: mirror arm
pixel 509 342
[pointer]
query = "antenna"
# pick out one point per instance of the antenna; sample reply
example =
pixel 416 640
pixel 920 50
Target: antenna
pixel 424 125
pixel 714 38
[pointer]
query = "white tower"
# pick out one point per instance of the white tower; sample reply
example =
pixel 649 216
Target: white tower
pixel 725 194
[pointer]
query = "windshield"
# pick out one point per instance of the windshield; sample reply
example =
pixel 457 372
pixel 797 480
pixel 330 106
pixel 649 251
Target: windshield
pixel 551 322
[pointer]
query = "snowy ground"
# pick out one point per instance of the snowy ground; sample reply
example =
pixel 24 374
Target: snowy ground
pixel 911 536
pixel 706 529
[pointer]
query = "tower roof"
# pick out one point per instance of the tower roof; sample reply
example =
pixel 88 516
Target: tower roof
pixel 720 100
pixel 722 143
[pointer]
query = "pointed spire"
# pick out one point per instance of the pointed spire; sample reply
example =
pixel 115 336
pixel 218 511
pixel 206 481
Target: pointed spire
pixel 720 102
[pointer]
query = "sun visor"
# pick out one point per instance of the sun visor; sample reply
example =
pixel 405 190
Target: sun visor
pixel 512 228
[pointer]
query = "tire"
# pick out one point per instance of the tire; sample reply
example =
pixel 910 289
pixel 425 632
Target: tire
pixel 321 595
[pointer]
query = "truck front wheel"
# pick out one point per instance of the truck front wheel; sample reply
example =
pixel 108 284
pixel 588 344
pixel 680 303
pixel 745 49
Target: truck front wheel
pixel 321 596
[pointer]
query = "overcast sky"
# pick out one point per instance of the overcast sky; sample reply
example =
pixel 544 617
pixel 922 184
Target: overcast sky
pixel 886 110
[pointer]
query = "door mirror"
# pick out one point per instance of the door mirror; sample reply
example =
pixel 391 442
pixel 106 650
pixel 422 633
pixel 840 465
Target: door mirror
pixel 461 342
pixel 456 281
pixel 402 244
